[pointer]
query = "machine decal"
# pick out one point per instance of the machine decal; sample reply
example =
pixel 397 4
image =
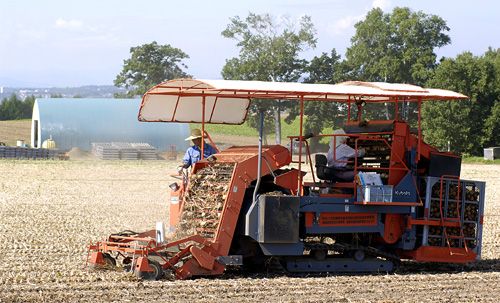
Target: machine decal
pixel 402 193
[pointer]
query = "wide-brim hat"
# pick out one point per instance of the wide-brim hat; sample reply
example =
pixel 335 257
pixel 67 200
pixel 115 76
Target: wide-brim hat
pixel 195 134
pixel 338 140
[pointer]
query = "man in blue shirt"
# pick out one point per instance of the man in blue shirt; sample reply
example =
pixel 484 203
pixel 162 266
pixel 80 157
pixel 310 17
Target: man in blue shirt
pixel 193 154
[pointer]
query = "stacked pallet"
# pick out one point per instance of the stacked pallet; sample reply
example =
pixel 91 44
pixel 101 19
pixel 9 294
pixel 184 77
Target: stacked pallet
pixel 123 151
pixel 105 151
pixel 126 150
pixel 23 152
pixel 146 151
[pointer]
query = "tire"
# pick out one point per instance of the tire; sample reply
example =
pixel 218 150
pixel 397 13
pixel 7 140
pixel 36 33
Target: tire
pixel 110 261
pixel 319 254
pixel 156 274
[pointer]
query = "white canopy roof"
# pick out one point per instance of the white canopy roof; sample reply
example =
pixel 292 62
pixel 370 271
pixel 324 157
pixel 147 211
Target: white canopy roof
pixel 227 101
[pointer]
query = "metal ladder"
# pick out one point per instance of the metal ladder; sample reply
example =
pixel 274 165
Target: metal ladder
pixel 457 219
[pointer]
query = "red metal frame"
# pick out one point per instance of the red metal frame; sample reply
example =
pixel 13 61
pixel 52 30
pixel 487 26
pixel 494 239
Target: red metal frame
pixel 442 254
pixel 203 257
pixel 172 152
pixel 300 151
pixel 210 139
pixel 438 254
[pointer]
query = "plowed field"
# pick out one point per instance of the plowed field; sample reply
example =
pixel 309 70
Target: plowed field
pixel 51 210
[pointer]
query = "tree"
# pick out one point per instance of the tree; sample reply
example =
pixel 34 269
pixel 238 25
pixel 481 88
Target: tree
pixel 397 48
pixel 15 108
pixel 149 65
pixel 492 123
pixel 492 126
pixel 462 122
pixel 326 69
pixel 269 51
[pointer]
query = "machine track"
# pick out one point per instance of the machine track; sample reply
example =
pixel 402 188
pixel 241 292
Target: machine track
pixel 346 248
pixel 326 259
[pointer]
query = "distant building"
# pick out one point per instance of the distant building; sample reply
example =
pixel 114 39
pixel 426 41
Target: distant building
pixel 76 122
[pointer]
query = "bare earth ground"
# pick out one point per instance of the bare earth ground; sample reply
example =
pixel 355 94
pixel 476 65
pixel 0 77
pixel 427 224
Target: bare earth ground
pixel 51 210
pixel 11 131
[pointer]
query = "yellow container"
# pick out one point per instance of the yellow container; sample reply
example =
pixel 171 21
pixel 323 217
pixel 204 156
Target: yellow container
pixel 49 143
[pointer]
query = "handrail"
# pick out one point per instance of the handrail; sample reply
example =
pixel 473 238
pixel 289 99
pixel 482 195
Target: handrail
pixel 308 152
pixel 458 214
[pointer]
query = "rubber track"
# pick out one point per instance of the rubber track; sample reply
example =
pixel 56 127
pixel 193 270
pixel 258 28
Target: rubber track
pixel 341 248
pixel 345 248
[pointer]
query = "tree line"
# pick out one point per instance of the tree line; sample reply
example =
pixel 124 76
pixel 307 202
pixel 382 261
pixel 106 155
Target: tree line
pixel 397 47
pixel 15 108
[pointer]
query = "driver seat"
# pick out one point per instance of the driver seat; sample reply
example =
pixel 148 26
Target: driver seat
pixel 324 172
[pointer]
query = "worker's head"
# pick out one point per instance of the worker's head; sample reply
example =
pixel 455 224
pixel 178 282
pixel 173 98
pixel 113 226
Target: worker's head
pixel 196 137
pixel 338 140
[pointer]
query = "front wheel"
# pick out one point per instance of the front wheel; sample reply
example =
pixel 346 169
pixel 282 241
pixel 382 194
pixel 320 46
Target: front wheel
pixel 156 274
pixel 158 270
pixel 108 259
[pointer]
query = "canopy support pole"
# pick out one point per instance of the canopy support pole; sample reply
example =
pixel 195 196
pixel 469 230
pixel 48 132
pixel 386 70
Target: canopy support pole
pixel 203 128
pixel 419 128
pixel 396 114
pixel 259 164
pixel 301 139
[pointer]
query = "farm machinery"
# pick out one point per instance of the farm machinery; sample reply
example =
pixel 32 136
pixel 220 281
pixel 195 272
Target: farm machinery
pixel 251 207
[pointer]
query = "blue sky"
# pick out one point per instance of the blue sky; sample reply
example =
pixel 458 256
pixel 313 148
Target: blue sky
pixel 71 43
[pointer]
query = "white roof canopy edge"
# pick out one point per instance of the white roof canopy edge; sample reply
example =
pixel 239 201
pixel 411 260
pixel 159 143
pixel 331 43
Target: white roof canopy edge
pixel 228 101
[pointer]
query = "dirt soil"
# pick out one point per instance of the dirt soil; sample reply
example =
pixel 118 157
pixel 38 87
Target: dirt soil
pixel 51 210
pixel 12 131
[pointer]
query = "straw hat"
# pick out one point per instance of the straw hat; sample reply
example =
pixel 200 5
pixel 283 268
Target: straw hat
pixel 195 134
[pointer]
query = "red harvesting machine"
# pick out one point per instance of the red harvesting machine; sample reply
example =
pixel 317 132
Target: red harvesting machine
pixel 250 206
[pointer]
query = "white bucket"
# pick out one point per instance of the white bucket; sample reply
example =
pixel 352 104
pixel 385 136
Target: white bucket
pixel 20 142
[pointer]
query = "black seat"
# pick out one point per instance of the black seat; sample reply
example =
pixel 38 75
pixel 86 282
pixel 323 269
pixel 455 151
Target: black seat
pixel 323 171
